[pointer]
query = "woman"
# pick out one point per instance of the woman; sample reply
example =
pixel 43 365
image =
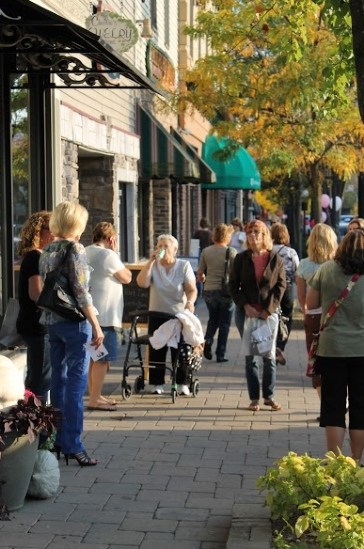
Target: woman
pixel 280 236
pixel 356 223
pixel 321 247
pixel 238 237
pixel 33 237
pixel 213 262
pixel 172 284
pixel 340 354
pixel 107 277
pixel 68 339
pixel 257 284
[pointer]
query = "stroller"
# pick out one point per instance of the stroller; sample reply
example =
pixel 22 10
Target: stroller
pixel 185 357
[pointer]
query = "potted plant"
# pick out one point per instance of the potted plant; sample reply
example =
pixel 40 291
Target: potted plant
pixel 20 428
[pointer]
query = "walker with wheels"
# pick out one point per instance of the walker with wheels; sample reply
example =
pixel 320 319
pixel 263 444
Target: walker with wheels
pixel 185 357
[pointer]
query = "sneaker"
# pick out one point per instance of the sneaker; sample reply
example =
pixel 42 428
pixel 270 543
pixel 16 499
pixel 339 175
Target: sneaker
pixel 158 389
pixel 183 390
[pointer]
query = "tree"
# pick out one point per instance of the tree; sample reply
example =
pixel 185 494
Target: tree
pixel 268 84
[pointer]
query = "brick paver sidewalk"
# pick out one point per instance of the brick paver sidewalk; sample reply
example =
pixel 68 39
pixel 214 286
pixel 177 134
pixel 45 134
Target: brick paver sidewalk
pixel 177 475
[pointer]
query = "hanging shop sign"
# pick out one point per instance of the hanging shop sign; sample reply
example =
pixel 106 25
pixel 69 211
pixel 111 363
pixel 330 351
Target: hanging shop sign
pixel 160 68
pixel 121 34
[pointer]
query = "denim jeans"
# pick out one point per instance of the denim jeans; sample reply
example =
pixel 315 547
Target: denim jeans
pixel 220 314
pixel 70 363
pixel 252 377
pixel 38 376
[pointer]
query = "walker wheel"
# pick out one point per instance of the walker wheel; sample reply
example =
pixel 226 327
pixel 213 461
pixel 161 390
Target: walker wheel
pixel 138 384
pixel 126 391
pixel 195 388
pixel 174 395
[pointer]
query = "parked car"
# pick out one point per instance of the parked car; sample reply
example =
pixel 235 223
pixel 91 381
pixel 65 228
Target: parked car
pixel 343 223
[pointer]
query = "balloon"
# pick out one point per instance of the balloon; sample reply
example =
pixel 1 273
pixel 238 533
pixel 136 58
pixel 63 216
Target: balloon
pixel 338 203
pixel 325 200
pixel 323 217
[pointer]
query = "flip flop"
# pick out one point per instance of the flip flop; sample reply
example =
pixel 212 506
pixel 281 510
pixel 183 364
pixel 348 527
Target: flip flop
pixel 102 408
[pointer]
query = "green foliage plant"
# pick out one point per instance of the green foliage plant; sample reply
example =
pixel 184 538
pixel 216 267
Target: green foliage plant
pixel 319 499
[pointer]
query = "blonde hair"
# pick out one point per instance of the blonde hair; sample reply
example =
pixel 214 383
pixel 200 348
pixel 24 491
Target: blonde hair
pixel 68 219
pixel 359 221
pixel 321 244
pixel 267 238
pixel 222 233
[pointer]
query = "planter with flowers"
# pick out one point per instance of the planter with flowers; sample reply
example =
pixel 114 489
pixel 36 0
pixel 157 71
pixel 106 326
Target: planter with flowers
pixel 20 428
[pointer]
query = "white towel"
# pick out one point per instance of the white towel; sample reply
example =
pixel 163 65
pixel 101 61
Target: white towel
pixel 169 333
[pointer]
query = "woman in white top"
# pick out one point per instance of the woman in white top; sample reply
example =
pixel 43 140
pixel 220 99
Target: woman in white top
pixel 321 246
pixel 106 287
pixel 172 284
pixel 238 237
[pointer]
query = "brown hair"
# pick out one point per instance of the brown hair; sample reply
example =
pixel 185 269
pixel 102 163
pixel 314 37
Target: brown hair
pixel 359 221
pixel 280 234
pixel 30 233
pixel 237 221
pixel 222 233
pixel 267 238
pixel 103 231
pixel 350 252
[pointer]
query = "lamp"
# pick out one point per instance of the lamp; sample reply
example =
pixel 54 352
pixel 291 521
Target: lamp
pixel 147 31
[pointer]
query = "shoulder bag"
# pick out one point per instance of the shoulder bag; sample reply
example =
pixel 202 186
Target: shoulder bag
pixel 312 353
pixel 57 296
pixel 225 290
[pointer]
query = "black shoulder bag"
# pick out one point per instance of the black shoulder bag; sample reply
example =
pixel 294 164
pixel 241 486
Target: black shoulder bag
pixel 57 296
pixel 225 290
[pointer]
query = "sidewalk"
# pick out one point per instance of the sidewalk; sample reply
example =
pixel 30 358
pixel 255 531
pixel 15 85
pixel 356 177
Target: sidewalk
pixel 177 475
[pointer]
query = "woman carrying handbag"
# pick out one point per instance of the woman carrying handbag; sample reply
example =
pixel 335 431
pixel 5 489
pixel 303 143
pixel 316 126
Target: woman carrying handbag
pixel 340 352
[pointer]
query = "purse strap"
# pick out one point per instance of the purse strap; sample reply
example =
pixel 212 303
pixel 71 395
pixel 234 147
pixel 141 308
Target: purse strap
pixel 343 295
pixel 227 256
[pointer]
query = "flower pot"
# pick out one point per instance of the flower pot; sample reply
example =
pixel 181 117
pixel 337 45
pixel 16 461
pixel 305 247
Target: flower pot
pixel 16 468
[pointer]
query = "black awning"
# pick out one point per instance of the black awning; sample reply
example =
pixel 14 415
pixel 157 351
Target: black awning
pixel 206 173
pixel 161 155
pixel 40 35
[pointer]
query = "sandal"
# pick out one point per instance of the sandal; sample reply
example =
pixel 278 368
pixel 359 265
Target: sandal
pixel 82 459
pixel 254 406
pixel 274 405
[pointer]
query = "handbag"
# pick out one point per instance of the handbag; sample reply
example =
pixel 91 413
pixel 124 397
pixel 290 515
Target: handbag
pixel 225 290
pixel 57 296
pixel 312 353
pixel 282 326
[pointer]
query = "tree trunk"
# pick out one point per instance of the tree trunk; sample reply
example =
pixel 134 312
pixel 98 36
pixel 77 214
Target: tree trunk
pixel 357 25
pixel 316 193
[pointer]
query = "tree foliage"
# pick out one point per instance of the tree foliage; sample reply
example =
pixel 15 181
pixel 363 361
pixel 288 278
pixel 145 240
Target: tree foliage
pixel 279 81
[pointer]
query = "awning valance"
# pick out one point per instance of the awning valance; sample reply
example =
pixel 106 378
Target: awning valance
pixel 44 41
pixel 161 155
pixel 207 175
pixel 238 172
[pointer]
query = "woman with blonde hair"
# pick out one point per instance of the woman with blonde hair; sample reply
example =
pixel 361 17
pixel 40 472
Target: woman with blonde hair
pixel 356 223
pixel 321 247
pixel 257 283
pixel 67 338
pixel 213 262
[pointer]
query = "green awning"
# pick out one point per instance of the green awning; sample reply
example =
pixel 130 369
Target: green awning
pixel 238 172
pixel 206 173
pixel 161 155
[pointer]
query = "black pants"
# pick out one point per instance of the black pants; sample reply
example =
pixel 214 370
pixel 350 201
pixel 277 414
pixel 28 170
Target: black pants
pixel 157 358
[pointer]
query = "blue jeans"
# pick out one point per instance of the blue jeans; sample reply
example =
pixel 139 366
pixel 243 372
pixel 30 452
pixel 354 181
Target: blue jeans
pixel 220 314
pixel 252 377
pixel 38 376
pixel 70 363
